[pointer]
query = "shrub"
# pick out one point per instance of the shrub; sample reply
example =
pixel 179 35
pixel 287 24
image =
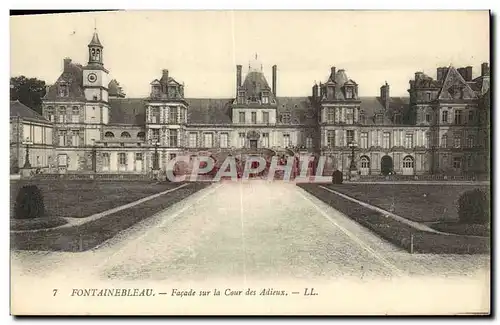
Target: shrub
pixel 337 177
pixel 29 203
pixel 473 207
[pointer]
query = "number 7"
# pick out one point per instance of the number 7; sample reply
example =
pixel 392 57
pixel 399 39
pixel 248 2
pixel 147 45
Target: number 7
pixel 55 291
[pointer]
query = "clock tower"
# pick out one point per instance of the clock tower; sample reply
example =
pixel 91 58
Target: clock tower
pixel 95 76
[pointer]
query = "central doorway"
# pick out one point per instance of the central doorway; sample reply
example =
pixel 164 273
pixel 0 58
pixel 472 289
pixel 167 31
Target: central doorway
pixel 253 144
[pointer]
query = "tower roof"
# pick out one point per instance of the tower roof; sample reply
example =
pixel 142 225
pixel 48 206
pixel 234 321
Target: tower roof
pixel 95 40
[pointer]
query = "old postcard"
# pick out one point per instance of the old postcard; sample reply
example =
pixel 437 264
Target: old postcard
pixel 250 163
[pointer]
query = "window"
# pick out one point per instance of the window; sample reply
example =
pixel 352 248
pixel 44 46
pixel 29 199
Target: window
pixel 397 118
pixel 172 138
pixel 208 140
pixel 386 140
pixel 265 140
pixel 349 93
pixel 109 135
pixel 193 140
pixel 50 113
pixel 122 158
pixel 141 135
pixel 285 118
pixel 364 140
pixel 362 117
pixel 427 139
pixel 265 99
pixel 172 156
pixel 457 162
pixel 444 141
pixel 223 140
pixel 286 140
pixel 427 117
pixel 428 96
pixel 350 136
pixel 458 117
pixel 408 162
pixel 309 142
pixel 242 139
pixel 365 162
pixel 63 90
pixel 254 117
pixel 409 140
pixel 331 115
pixel 172 114
pixel 265 117
pixel 471 116
pixel 138 156
pixel 444 117
pixel 457 141
pixel 62 114
pixel 125 135
pixel 241 116
pixel 470 141
pixel 62 138
pixel 350 116
pixel 183 115
pixel 76 138
pixel 155 112
pixel 330 139
pixel 75 117
pixel 379 118
pixel 156 134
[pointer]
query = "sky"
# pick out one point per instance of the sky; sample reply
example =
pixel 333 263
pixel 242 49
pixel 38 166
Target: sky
pixel 202 48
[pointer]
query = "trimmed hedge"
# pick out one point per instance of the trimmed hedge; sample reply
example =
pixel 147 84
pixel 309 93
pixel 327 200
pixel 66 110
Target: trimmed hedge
pixel 474 207
pixel 29 203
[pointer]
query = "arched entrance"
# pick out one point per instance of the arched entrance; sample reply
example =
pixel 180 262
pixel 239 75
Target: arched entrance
pixel 253 139
pixel 408 165
pixel 386 165
pixel 364 165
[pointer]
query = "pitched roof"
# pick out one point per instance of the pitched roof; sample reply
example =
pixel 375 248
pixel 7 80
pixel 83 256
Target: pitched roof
pixel 371 106
pixel 339 80
pixel 301 110
pixel 209 111
pixel 127 111
pixel 454 78
pixel 72 76
pixel 18 109
pixel 255 82
pixel 95 40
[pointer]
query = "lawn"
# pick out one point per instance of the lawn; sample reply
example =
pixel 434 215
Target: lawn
pixel 70 198
pixel 418 202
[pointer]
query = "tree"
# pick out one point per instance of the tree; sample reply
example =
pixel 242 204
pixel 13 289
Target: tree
pixel 28 91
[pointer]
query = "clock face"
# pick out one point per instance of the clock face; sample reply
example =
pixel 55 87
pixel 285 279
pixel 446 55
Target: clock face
pixel 92 77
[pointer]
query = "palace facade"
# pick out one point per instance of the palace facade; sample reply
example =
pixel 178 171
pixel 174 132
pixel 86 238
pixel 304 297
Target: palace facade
pixel 90 125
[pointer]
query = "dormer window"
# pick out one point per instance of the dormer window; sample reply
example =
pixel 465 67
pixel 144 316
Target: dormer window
pixel 362 117
pixel 379 118
pixel 397 118
pixel 349 92
pixel 265 97
pixel 155 90
pixel 285 118
pixel 63 90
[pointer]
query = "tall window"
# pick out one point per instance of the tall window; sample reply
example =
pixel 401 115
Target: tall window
pixel 427 139
pixel 309 142
pixel 155 114
pixel 241 116
pixel 172 138
pixel 183 115
pixel 62 114
pixel 286 140
pixel 409 140
pixel 444 117
pixel 379 118
pixel 193 140
pixel 457 162
pixel 254 117
pixel 427 117
pixel 348 93
pixel 457 141
pixel 330 138
pixel 362 117
pixel 364 140
pixel 408 162
pixel 105 159
pixel 350 115
pixel 331 115
pixel 224 140
pixel 62 138
pixel 265 140
pixel 122 158
pixel 76 138
pixel 470 141
pixel 172 114
pixel 241 137
pixel 365 162
pixel 265 117
pixel 63 90
pixel 444 141
pixel 208 140
pixel 397 118
pixel 350 136
pixel 471 116
pixel 50 113
pixel 458 117
pixel 386 140
pixel 156 134
pixel 75 117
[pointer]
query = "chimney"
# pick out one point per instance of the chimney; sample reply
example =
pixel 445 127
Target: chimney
pixel 485 69
pixel 332 73
pixel 462 73
pixel 468 73
pixel 384 95
pixel 238 76
pixel 418 75
pixel 164 81
pixel 67 62
pixel 275 68
pixel 314 90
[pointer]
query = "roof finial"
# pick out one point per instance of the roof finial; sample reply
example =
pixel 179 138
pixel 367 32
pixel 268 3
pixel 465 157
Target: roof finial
pixel 255 55
pixel 95 25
